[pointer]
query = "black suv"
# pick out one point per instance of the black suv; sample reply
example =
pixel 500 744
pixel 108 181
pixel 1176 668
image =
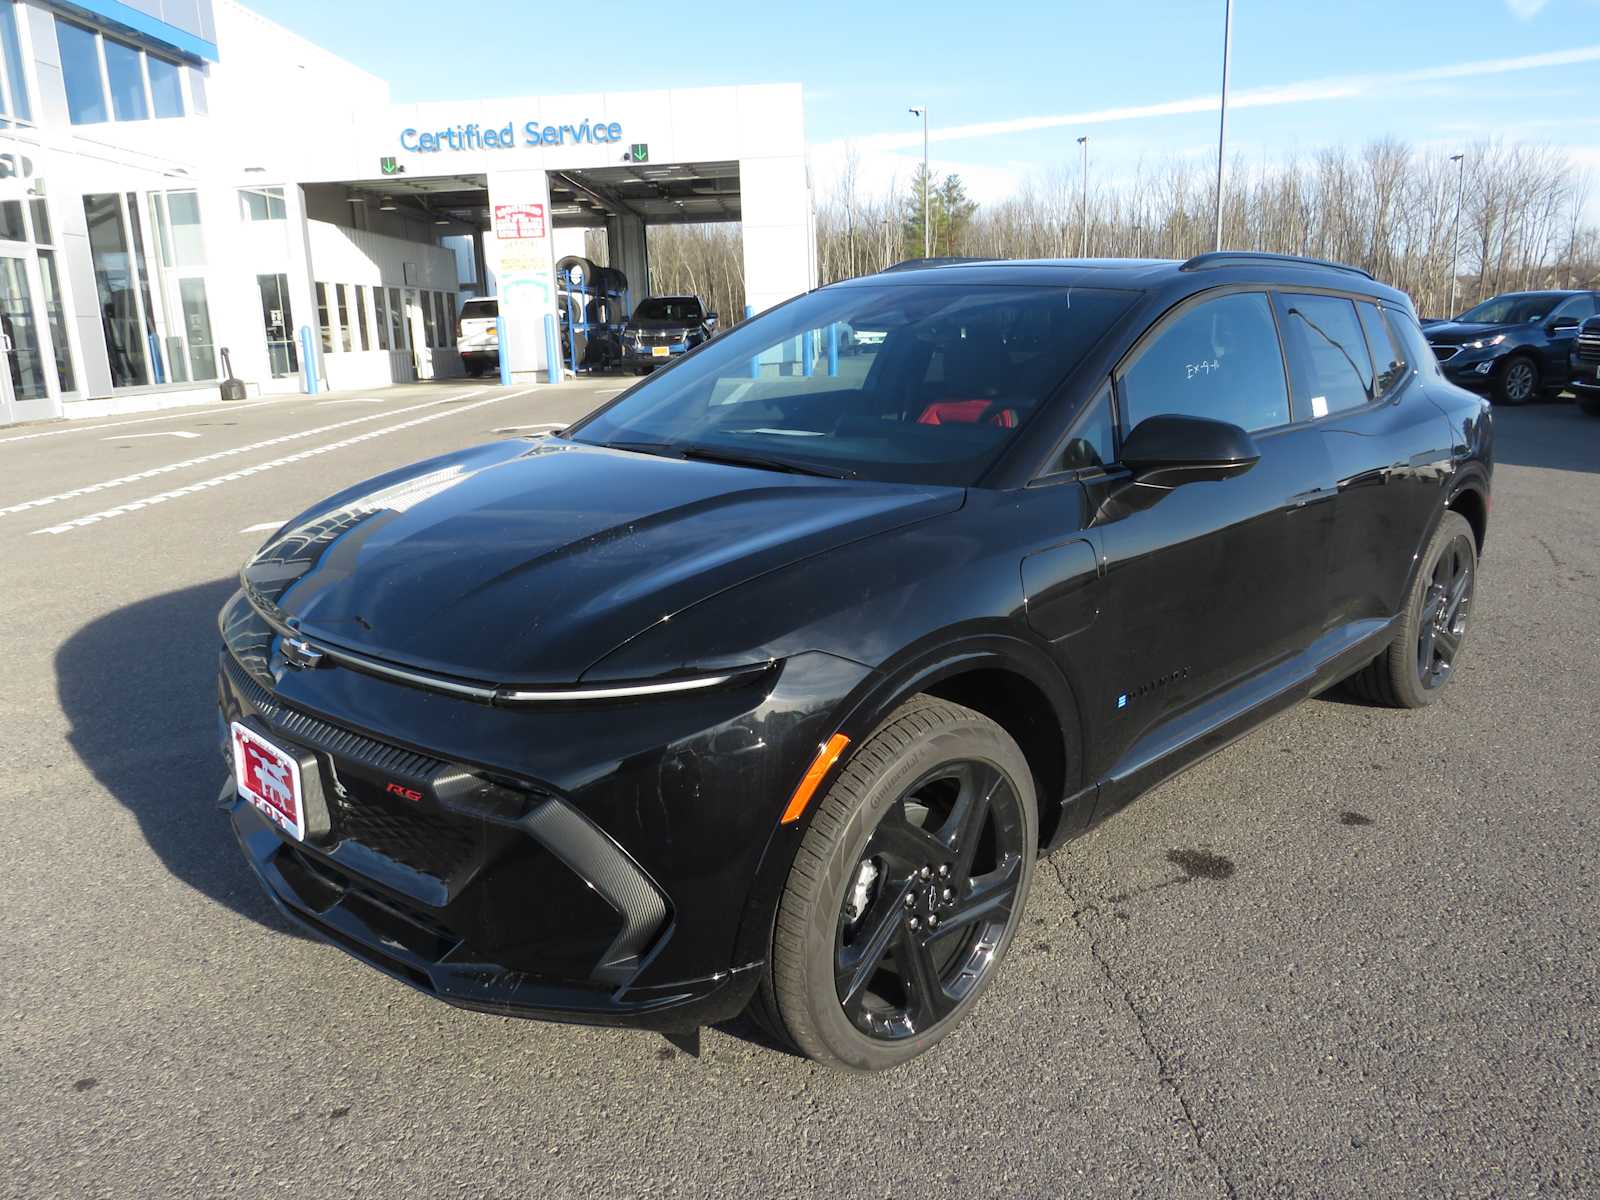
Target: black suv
pixel 662 328
pixel 766 683
pixel 1514 346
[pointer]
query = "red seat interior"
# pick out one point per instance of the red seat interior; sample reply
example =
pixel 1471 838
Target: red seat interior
pixel 966 412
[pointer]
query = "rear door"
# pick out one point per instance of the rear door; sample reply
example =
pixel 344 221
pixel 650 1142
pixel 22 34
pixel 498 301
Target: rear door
pixel 1211 583
pixel 1390 447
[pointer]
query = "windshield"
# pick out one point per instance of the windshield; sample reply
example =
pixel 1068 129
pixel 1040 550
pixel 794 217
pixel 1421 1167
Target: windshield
pixel 1512 310
pixel 916 383
pixel 668 308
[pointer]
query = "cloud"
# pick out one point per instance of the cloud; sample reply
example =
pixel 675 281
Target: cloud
pixel 1526 10
pixel 1306 92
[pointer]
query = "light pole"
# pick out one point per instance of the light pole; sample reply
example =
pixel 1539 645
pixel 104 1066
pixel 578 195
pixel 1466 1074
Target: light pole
pixel 1222 124
pixel 927 184
pixel 1455 250
pixel 1083 251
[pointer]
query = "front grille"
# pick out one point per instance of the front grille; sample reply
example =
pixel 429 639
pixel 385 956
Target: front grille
pixel 1589 348
pixel 432 844
pixel 1444 353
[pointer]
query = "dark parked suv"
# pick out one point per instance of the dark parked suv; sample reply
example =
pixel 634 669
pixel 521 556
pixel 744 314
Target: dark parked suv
pixel 1515 346
pixel 766 683
pixel 1585 373
pixel 663 328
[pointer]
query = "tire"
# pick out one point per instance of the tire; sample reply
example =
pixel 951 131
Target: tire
pixel 586 270
pixel 1396 678
pixel 855 885
pixel 1517 381
pixel 1589 402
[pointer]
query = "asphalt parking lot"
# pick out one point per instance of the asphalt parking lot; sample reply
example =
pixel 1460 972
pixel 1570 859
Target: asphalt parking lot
pixel 1353 955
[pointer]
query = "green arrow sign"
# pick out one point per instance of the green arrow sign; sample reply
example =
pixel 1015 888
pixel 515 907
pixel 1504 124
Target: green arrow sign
pixel 640 152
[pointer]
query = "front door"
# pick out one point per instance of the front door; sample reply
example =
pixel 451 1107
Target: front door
pixel 24 379
pixel 278 320
pixel 1210 584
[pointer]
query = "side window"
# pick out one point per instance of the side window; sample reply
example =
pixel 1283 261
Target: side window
pixel 1389 358
pixel 1093 442
pixel 1220 359
pixel 1328 355
pixel 1579 308
pixel 1408 335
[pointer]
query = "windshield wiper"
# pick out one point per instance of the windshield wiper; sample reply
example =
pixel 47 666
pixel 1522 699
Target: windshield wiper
pixel 742 458
pixel 661 449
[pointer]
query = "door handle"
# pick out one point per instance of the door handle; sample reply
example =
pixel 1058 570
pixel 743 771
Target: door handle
pixel 1315 496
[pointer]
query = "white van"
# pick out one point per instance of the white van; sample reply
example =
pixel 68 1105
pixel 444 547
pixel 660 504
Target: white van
pixel 478 335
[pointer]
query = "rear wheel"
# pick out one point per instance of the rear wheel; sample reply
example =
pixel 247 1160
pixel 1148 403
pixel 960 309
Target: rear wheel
pixel 906 891
pixel 1517 381
pixel 1425 653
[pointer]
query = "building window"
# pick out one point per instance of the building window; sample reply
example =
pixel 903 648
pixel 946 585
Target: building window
pixel 107 79
pixel 118 289
pixel 441 319
pixel 361 316
pixel 80 67
pixel 13 83
pixel 397 320
pixel 345 338
pixel 183 311
pixel 261 204
pixel 427 320
pixel 197 91
pixel 166 86
pixel 322 318
pixel 126 78
pixel 380 311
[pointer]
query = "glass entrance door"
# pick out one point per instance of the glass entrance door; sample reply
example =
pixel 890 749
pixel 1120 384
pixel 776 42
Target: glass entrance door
pixel 419 340
pixel 24 387
pixel 278 319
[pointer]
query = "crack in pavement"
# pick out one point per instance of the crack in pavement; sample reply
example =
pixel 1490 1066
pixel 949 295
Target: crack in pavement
pixel 1163 1071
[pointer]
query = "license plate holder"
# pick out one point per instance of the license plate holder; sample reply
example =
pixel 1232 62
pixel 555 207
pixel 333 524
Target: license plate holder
pixel 275 780
pixel 660 351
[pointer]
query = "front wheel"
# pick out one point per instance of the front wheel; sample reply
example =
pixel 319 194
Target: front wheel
pixel 906 890
pixel 1425 653
pixel 1517 381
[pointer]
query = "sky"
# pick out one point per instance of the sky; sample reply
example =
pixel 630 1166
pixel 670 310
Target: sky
pixel 1011 87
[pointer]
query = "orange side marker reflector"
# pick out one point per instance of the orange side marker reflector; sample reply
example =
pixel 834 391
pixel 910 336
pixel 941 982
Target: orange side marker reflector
pixel 820 766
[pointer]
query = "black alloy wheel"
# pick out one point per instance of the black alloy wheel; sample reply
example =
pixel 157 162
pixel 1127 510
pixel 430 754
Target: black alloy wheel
pixel 1446 603
pixel 930 901
pixel 1518 382
pixel 1425 653
pixel 906 890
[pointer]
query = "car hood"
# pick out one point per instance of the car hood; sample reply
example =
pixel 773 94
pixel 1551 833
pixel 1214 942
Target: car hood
pixel 1453 333
pixel 519 563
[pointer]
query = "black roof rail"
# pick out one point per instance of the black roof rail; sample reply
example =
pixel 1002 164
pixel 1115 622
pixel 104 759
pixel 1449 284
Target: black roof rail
pixel 918 264
pixel 1260 258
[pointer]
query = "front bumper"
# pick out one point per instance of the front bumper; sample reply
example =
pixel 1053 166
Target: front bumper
pixel 1475 373
pixel 579 862
pixel 633 356
pixel 401 941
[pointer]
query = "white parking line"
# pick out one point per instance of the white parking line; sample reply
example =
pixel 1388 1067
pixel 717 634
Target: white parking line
pixel 167 468
pixel 262 527
pixel 271 464
pixel 128 437
pixel 353 400
pixel 187 412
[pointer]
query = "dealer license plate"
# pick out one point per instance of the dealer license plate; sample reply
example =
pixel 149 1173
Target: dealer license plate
pixel 660 351
pixel 270 779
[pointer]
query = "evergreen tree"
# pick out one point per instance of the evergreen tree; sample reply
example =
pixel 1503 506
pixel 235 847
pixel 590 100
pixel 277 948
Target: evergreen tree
pixel 949 209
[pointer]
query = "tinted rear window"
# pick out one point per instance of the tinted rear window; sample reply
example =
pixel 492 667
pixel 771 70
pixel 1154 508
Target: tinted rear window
pixel 480 308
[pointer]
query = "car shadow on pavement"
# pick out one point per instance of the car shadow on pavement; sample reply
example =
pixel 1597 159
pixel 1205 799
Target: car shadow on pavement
pixel 139 687
pixel 1558 436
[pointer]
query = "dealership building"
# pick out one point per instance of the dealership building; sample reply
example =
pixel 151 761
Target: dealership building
pixel 184 178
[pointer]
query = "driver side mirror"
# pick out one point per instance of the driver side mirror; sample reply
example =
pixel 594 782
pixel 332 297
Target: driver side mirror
pixel 1168 451
pixel 711 320
pixel 1563 325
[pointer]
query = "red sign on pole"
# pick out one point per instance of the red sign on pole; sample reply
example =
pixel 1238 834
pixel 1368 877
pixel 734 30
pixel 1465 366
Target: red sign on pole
pixel 516 221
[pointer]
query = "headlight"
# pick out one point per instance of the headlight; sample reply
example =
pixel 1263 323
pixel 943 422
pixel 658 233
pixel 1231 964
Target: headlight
pixel 1485 343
